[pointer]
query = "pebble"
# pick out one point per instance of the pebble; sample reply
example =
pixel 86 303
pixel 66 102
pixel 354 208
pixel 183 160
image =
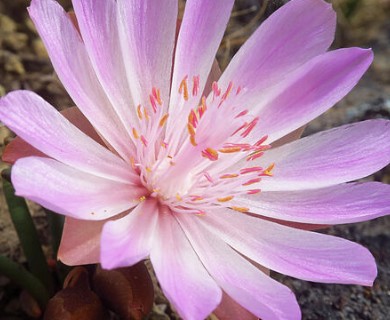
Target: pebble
pixel 7 24
pixel 39 48
pixel 13 64
pixel 15 41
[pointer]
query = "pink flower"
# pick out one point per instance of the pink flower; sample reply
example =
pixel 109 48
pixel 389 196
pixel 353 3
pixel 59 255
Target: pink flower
pixel 188 178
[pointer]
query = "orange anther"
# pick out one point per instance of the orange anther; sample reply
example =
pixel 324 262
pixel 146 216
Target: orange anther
pixel 193 141
pixel 225 199
pixel 230 150
pixel 229 176
pixel 191 129
pixel 210 154
pixel 163 120
pixel 139 112
pixel 183 88
pixel 240 209
pixel 135 133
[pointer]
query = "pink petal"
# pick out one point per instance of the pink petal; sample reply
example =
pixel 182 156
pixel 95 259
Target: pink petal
pixel 71 192
pixel 242 281
pixel 331 157
pixel 302 254
pixel 147 34
pixel 18 148
pixel 40 125
pixel 309 91
pixel 80 242
pixel 347 203
pixel 97 21
pixel 182 276
pixel 128 240
pixel 297 32
pixel 201 32
pixel 73 66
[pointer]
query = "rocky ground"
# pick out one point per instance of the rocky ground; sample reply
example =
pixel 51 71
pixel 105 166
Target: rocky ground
pixel 24 65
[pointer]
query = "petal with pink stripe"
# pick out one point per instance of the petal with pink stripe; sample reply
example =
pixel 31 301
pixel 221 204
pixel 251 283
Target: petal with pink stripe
pixel 286 40
pixel 128 240
pixel 241 280
pixel 71 192
pixel 72 64
pixel 182 276
pixel 331 157
pixel 97 20
pixel 345 203
pixel 302 254
pixel 43 127
pixel 147 35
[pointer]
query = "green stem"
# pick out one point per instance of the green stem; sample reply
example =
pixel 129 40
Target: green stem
pixel 56 223
pixel 28 236
pixel 25 279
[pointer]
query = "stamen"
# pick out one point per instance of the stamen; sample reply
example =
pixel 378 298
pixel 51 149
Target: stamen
pixel 252 181
pixel 203 107
pixel 146 114
pixel 195 87
pixel 132 162
pixel 163 120
pixel 216 90
pixel 208 177
pixel 253 191
pixel 250 127
pixel 135 133
pixel 192 118
pixel 183 88
pixel 227 92
pixel 240 128
pixel 210 154
pixel 255 155
pixel 141 199
pixel 157 95
pixel 230 150
pixel 193 141
pixel 261 141
pixel 229 176
pixel 144 141
pixel 242 113
pixel 251 169
pixel 153 102
pixel 240 209
pixel 191 129
pixel 267 172
pixel 225 199
pixel 139 112
pixel 196 198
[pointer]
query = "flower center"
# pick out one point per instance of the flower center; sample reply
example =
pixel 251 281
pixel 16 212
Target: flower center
pixel 202 154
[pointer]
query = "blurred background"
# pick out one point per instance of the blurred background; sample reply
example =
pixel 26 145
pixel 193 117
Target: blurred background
pixel 24 64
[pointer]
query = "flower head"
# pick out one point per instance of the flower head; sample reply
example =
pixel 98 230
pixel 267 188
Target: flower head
pixel 159 160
